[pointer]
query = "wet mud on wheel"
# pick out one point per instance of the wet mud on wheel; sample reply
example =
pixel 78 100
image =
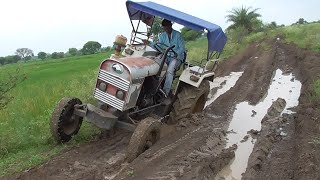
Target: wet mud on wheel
pixel 145 135
pixel 64 123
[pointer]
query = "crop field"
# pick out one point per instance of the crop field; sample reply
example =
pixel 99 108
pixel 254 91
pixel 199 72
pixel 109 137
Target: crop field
pixel 25 138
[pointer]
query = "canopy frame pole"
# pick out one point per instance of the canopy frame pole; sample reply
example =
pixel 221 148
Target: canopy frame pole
pixel 150 30
pixel 135 30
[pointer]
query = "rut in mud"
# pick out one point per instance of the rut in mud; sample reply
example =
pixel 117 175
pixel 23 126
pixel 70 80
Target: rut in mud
pixel 200 148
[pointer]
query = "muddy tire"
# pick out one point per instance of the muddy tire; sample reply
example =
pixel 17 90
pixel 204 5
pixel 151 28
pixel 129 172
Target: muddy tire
pixel 145 135
pixel 64 124
pixel 189 100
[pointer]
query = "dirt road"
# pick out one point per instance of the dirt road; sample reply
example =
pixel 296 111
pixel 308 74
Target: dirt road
pixel 211 145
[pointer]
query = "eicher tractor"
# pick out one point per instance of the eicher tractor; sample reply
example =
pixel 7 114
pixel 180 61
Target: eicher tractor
pixel 129 84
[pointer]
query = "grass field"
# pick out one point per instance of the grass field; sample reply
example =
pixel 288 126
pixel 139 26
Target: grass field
pixel 25 138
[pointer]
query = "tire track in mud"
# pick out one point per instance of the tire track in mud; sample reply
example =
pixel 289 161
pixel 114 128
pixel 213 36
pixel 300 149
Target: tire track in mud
pixel 169 147
pixel 175 159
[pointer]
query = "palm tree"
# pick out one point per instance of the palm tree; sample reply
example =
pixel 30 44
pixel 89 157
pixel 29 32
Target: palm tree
pixel 243 17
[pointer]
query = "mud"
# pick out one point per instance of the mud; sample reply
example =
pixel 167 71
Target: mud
pixel 246 117
pixel 198 147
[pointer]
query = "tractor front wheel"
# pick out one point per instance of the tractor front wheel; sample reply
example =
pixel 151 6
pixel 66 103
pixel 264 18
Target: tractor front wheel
pixel 64 123
pixel 146 134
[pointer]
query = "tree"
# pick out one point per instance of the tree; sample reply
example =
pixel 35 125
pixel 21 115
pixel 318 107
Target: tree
pixel 12 59
pixel 24 52
pixel 42 55
pixel 61 54
pixel 189 34
pixel 91 47
pixel 57 55
pixel 301 21
pixel 105 49
pixel 2 60
pixel 272 25
pixel 156 28
pixel 73 51
pixel 27 58
pixel 243 17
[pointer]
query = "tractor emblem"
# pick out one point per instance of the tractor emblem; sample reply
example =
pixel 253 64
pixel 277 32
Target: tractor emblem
pixel 118 68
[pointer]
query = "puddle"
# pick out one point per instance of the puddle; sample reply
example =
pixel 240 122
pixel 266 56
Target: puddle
pixel 247 117
pixel 223 84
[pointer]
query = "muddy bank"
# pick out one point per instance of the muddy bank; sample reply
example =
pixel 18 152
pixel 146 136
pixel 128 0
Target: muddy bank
pixel 294 155
pixel 271 132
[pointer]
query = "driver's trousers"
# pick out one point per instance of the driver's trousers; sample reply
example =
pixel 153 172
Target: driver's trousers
pixel 173 66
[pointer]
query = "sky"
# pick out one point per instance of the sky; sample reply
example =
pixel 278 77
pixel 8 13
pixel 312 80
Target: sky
pixel 57 25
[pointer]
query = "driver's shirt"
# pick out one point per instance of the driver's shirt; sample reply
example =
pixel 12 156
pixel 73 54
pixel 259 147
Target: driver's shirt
pixel 175 39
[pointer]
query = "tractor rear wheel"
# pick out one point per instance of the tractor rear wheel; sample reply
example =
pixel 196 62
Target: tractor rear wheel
pixel 146 134
pixel 189 100
pixel 64 123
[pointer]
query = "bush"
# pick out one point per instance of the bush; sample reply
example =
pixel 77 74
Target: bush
pixel 57 55
pixel 91 47
pixel 189 34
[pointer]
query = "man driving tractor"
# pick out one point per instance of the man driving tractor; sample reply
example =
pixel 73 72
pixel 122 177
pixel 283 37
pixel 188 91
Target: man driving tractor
pixel 171 37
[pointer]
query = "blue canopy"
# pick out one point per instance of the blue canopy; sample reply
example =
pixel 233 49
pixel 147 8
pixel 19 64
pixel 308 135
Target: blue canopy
pixel 142 10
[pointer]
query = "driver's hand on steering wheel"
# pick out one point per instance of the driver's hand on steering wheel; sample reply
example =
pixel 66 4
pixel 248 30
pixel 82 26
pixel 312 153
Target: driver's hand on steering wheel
pixel 146 42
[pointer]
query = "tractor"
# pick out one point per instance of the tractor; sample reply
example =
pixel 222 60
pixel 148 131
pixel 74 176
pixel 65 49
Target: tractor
pixel 128 89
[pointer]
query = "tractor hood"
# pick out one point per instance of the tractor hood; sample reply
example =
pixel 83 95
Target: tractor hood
pixel 131 68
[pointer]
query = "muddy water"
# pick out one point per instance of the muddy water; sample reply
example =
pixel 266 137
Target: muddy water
pixel 220 85
pixel 247 117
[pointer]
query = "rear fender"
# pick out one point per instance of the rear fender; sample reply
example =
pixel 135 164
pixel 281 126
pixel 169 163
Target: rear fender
pixel 194 78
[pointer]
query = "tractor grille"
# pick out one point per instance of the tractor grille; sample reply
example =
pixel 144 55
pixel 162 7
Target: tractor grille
pixel 115 81
pixel 109 99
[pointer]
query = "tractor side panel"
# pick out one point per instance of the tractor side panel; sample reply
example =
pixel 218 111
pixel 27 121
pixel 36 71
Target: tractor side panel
pixel 133 93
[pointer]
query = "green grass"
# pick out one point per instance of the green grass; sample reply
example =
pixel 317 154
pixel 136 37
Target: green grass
pixel 25 138
pixel 304 36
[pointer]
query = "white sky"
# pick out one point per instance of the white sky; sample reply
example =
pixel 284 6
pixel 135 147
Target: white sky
pixel 56 25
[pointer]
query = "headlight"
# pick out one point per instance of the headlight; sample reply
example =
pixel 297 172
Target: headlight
pixel 103 86
pixel 120 94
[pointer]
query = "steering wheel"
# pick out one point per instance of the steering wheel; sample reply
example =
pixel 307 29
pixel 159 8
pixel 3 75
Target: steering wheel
pixel 158 47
